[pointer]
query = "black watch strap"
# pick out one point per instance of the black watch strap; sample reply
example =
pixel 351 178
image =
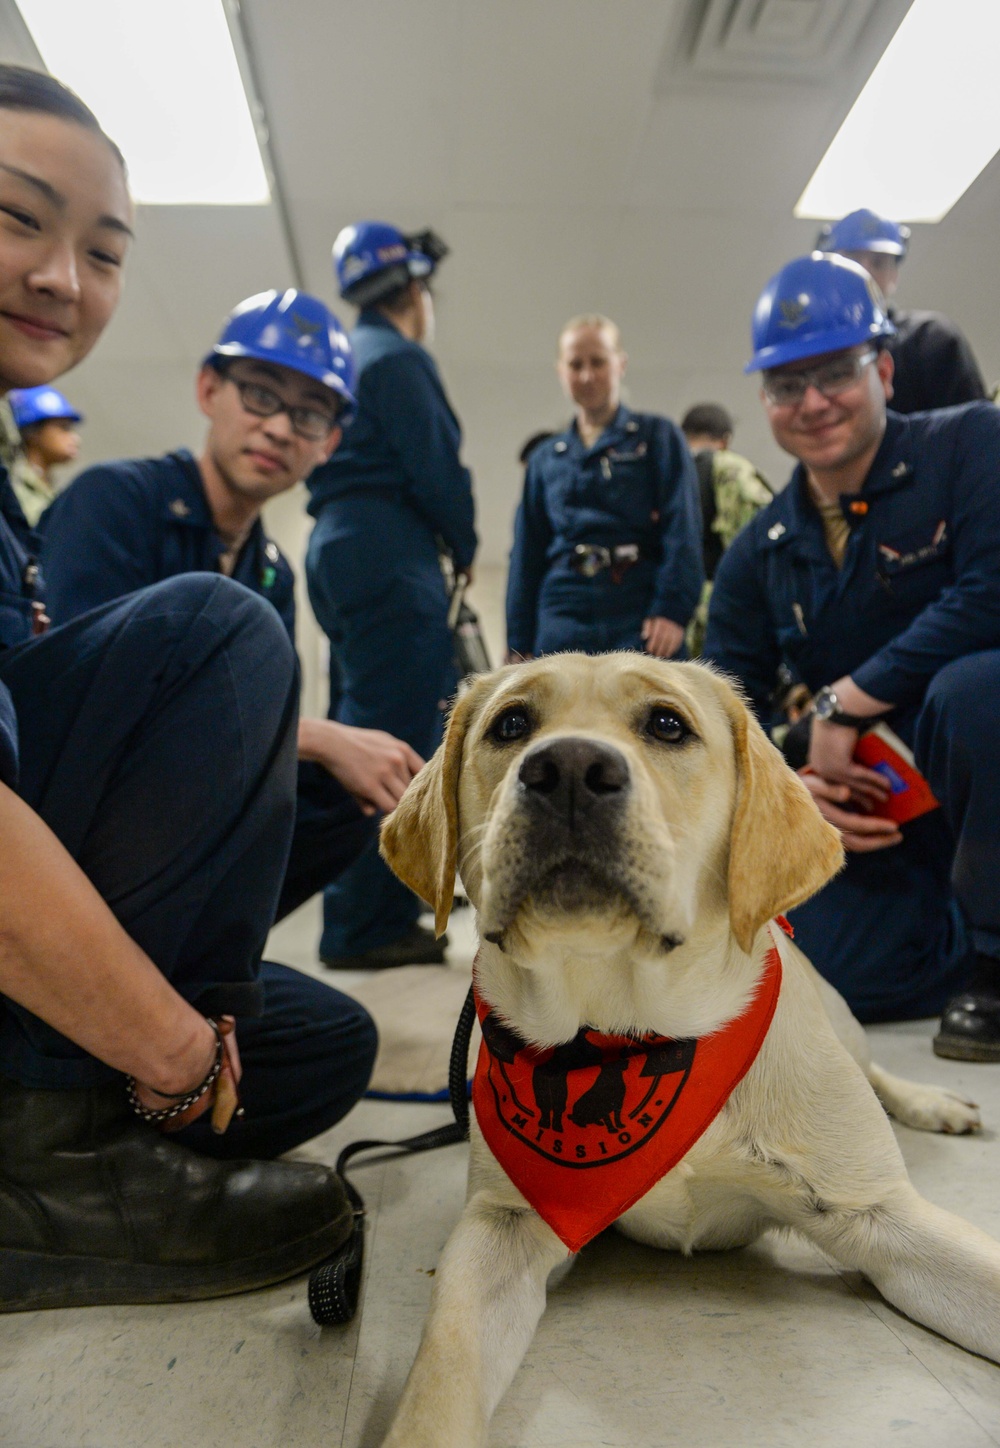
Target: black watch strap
pixel 835 715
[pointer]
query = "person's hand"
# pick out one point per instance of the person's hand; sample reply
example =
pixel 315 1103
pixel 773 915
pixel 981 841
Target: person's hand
pixel 222 1099
pixel 662 637
pixel 374 767
pixel 861 833
pixel 831 756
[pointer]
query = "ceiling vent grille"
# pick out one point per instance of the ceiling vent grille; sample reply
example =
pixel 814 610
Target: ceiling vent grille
pixel 798 41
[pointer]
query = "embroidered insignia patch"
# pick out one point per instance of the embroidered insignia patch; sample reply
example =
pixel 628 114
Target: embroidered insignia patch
pixel 304 325
pixel 584 1129
pixel 793 312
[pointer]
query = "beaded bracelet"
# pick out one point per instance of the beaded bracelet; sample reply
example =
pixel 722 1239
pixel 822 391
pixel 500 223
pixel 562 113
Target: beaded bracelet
pixel 167 1113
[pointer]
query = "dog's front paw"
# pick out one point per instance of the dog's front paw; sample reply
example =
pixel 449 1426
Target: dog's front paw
pixel 927 1108
pixel 932 1108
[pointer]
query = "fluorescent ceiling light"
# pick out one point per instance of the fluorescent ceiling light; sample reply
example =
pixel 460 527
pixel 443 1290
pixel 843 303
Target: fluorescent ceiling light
pixel 161 77
pixel 926 123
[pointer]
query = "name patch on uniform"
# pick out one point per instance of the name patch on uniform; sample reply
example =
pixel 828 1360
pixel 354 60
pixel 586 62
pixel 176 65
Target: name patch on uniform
pixel 638 452
pixel 908 553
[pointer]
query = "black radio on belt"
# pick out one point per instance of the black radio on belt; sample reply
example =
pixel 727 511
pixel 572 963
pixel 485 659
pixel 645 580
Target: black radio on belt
pixel 590 559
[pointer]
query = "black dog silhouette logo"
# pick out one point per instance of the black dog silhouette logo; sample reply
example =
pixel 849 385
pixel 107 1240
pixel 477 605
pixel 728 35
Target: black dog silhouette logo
pixel 589 1101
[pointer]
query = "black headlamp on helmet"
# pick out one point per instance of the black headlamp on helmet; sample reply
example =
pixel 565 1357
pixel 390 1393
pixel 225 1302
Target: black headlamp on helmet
pixel 428 244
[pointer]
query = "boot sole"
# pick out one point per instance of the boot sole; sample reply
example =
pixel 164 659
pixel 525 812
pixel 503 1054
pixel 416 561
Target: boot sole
pixel 30 1281
pixel 956 1048
pixel 362 962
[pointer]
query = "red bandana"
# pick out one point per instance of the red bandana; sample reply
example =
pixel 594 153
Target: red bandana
pixel 584 1129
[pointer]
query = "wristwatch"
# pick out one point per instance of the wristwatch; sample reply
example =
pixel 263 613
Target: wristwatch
pixel 826 706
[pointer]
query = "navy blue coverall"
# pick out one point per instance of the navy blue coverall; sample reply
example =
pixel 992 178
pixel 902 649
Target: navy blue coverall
pixel 637 485
pixel 394 487
pixel 156 737
pixel 124 525
pixel 913 616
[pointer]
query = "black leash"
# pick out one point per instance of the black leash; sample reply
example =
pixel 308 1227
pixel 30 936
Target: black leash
pixel 335 1284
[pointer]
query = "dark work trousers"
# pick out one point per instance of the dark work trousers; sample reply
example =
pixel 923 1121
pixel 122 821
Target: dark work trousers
pixel 894 931
pixel 595 615
pixel 157 739
pixel 376 588
pixel 330 833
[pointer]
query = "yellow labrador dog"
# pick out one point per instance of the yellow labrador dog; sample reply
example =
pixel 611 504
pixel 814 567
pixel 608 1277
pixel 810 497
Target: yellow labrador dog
pixel 628 834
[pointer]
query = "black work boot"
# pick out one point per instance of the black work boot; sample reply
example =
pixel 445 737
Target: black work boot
pixel 98 1207
pixel 417 947
pixel 970 1026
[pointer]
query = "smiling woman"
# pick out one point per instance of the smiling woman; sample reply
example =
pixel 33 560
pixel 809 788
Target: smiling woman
pixel 118 775
pixel 66 218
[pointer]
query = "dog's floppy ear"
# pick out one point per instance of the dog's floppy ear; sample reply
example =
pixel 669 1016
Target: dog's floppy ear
pixel 782 849
pixel 419 840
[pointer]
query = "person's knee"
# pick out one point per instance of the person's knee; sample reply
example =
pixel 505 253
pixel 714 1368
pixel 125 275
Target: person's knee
pixel 964 684
pixel 247 626
pixel 359 1028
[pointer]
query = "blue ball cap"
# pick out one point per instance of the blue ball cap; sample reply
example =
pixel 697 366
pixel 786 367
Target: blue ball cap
pixel 31 405
pixel 815 304
pixel 864 230
pixel 293 330
pixel 372 258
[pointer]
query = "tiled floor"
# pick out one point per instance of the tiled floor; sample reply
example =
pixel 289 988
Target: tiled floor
pixel 766 1348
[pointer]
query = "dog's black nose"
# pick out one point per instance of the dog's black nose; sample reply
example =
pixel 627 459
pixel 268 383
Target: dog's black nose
pixel 575 775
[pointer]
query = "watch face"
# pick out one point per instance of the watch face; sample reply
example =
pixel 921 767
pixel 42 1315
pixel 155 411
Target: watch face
pixel 826 703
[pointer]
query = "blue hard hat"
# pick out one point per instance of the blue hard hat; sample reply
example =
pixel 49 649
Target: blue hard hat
pixel 31 405
pixel 816 304
pixel 373 258
pixel 294 330
pixel 864 230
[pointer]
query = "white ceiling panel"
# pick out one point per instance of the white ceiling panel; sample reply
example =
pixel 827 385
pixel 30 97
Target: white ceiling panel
pixel 361 98
pixel 553 98
pixel 752 154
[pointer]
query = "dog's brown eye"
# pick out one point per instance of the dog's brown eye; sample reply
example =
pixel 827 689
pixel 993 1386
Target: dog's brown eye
pixel 667 726
pixel 511 725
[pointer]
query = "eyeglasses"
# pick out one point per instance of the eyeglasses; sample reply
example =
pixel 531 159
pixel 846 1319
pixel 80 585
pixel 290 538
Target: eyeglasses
pixel 307 422
pixel 787 389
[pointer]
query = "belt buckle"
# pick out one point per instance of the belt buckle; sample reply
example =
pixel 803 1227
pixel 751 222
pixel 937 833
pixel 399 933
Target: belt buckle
pixel 623 557
pixel 589 559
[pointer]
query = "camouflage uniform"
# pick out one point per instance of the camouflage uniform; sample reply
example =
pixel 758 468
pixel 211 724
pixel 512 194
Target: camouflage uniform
pixel 33 490
pixel 738 492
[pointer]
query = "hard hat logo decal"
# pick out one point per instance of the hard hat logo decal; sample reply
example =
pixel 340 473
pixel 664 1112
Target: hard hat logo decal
pixel 304 327
pixel 794 312
pixel 396 252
